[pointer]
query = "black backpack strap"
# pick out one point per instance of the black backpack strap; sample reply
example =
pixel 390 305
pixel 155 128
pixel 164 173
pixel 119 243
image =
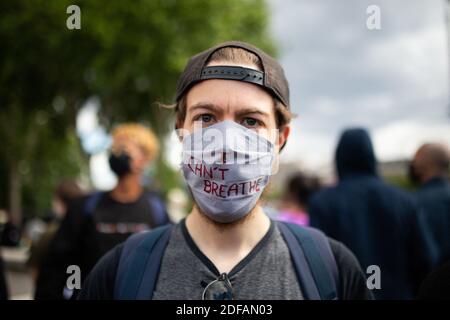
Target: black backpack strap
pixel 314 261
pixel 139 264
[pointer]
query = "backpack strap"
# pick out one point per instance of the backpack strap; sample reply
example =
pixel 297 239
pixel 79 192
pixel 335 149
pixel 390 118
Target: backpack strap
pixel 159 212
pixel 314 261
pixel 310 250
pixel 92 202
pixel 141 259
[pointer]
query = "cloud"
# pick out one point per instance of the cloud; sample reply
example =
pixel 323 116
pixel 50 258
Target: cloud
pixel 342 74
pixel 400 140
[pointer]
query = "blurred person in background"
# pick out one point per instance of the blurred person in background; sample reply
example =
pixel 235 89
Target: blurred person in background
pixel 430 169
pixel 11 232
pixel 66 192
pixel 296 197
pixel 379 223
pixel 100 221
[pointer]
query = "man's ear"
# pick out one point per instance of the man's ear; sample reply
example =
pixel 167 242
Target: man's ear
pixel 283 135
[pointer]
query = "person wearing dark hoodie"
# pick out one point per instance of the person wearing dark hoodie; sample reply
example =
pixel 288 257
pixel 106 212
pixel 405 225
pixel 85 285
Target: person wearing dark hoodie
pixel 378 222
pixel 98 222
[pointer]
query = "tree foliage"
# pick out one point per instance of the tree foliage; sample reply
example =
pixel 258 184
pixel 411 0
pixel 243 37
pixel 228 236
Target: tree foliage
pixel 128 53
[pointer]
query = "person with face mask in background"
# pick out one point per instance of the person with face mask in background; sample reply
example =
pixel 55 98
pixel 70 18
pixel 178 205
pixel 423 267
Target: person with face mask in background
pixel 378 222
pixel 230 100
pixel 98 222
pixel 430 170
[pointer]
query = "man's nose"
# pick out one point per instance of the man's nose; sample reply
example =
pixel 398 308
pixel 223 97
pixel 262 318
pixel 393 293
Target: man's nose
pixel 229 116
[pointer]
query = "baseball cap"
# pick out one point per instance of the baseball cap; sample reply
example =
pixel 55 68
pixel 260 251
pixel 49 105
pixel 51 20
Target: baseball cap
pixel 271 78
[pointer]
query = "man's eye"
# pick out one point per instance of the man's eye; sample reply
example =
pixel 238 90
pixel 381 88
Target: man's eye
pixel 206 118
pixel 251 122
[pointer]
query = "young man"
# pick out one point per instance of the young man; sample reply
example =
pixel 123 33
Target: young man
pixel 97 223
pixel 229 100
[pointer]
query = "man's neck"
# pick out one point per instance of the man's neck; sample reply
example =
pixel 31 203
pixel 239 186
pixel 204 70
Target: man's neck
pixel 128 189
pixel 226 245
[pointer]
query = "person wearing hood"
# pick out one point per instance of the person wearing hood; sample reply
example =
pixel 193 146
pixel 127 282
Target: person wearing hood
pixel 378 222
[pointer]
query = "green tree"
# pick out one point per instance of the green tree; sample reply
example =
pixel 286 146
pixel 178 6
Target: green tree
pixel 127 53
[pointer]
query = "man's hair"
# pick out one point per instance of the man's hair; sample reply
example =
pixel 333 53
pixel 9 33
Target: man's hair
pixel 235 56
pixel 140 134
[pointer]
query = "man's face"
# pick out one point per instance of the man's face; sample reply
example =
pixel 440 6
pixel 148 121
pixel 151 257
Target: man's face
pixel 216 100
pixel 138 158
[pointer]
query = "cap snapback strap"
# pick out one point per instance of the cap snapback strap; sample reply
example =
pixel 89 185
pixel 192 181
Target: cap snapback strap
pixel 233 73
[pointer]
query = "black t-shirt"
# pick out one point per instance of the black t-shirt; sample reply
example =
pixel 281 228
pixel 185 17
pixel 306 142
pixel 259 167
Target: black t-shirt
pixel 100 283
pixel 115 221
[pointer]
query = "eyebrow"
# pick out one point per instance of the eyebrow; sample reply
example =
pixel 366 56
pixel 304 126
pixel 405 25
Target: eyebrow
pixel 243 111
pixel 205 105
pixel 251 110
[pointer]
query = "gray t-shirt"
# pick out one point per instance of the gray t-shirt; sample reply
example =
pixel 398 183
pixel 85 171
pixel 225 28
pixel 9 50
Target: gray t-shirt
pixel 266 273
pixel 185 270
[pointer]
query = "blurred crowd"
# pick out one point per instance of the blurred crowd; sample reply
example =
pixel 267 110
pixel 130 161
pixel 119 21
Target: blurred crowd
pixel 404 233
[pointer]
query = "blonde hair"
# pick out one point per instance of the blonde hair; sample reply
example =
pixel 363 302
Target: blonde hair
pixel 239 56
pixel 140 134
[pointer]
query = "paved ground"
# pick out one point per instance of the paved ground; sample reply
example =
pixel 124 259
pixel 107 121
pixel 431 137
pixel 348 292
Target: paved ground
pixel 20 284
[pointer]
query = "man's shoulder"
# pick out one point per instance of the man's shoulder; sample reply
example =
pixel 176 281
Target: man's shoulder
pixel 351 276
pixel 344 256
pixel 351 280
pixel 101 280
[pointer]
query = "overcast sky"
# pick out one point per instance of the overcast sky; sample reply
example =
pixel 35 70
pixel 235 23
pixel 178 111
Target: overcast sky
pixel 394 81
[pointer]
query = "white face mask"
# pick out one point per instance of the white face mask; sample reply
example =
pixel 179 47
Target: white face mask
pixel 227 167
